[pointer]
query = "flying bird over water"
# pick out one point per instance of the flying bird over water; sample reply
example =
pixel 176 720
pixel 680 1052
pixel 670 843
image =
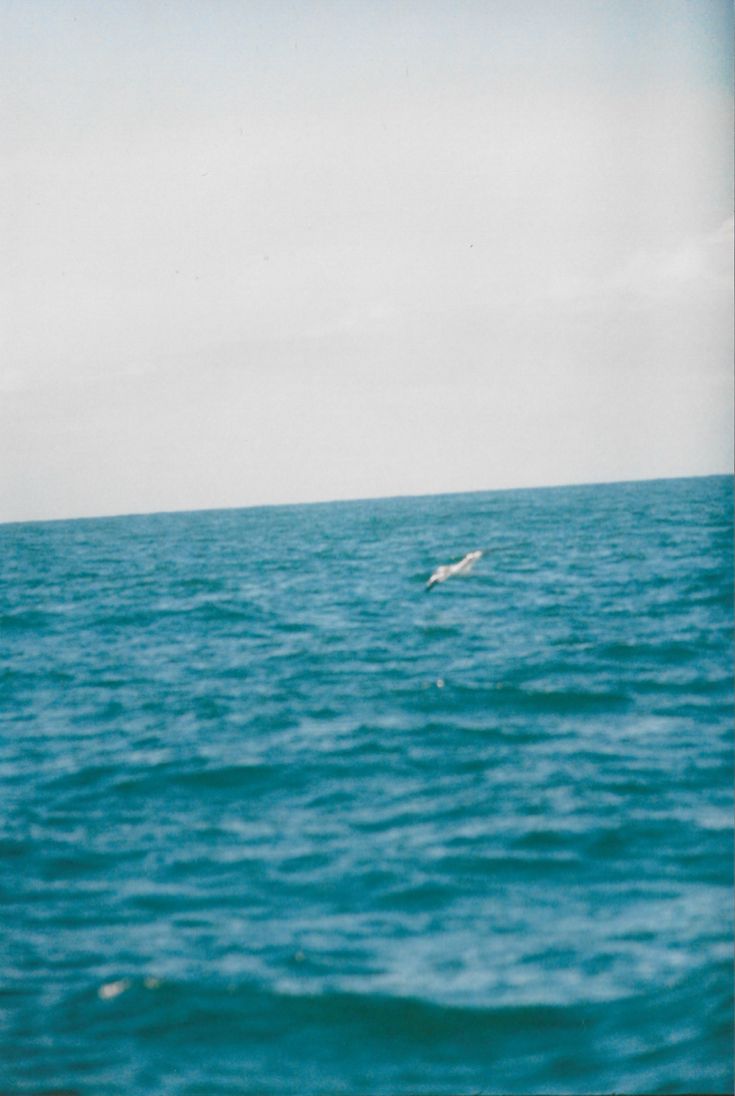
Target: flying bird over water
pixel 446 570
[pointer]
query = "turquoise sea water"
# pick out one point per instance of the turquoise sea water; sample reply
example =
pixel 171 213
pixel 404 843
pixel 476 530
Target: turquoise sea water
pixel 276 820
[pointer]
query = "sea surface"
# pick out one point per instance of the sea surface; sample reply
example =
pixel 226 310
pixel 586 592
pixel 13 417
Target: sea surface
pixel 274 819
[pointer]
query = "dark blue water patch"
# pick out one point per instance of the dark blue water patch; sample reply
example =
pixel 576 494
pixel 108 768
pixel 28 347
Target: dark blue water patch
pixel 287 823
pixel 389 1042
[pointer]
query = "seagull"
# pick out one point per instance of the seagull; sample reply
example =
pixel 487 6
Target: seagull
pixel 441 574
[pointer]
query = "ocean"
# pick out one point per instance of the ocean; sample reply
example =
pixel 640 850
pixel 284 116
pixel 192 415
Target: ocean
pixel 275 819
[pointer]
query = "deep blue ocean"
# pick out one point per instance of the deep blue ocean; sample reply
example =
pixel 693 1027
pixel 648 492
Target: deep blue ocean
pixel 275 819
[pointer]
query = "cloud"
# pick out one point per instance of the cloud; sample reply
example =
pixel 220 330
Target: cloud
pixel 698 264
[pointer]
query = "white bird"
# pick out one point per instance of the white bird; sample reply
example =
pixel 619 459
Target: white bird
pixel 446 570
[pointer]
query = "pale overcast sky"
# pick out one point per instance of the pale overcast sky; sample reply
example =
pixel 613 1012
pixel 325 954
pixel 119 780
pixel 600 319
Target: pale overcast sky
pixel 267 251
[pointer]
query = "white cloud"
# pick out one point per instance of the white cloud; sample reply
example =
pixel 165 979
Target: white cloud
pixel 700 264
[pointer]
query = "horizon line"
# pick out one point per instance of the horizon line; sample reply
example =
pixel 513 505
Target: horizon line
pixel 364 498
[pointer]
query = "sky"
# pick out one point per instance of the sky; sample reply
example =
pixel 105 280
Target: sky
pixel 271 251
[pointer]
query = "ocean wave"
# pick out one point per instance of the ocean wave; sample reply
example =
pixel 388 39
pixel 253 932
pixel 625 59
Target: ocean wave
pixel 283 823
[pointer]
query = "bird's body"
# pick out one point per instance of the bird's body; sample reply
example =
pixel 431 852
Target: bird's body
pixel 447 570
